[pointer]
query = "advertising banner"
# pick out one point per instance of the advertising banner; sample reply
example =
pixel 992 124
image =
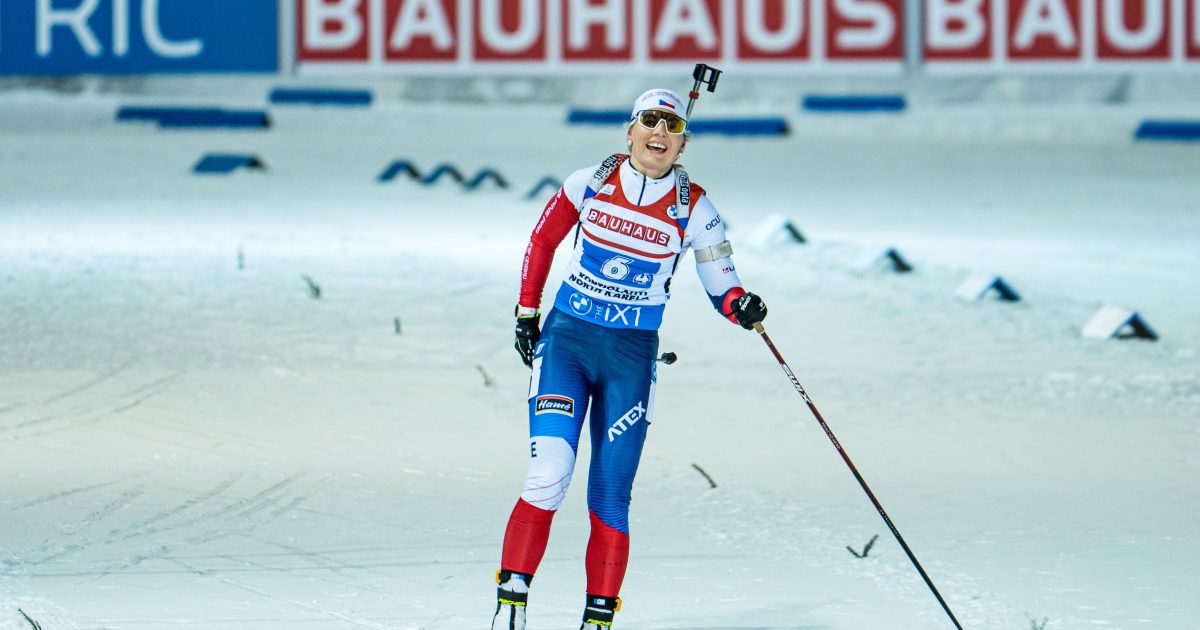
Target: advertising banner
pixel 61 37
pixel 1061 34
pixel 556 35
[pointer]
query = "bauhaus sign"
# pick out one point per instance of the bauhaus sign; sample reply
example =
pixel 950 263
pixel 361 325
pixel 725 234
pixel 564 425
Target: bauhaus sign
pixel 1075 32
pixel 548 34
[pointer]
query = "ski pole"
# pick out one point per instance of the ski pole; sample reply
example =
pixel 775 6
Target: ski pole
pixel 862 482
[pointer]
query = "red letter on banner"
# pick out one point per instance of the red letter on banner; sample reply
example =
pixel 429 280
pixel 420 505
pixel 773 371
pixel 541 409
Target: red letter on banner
pixel 685 29
pixel 510 30
pixel 958 30
pixel 421 30
pixel 1133 29
pixel 597 30
pixel 864 29
pixel 1193 29
pixel 332 30
pixel 1044 30
pixel 773 29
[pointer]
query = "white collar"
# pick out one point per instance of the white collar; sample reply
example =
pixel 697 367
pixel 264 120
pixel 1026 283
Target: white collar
pixel 643 190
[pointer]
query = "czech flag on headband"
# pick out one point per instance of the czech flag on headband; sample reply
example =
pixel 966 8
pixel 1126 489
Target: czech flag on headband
pixel 663 103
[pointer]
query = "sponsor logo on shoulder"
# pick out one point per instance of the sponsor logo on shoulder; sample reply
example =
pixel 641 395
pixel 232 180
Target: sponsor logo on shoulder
pixel 554 404
pixel 631 417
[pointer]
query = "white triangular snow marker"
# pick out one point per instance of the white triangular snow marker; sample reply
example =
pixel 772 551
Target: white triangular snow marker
pixel 889 255
pixel 1117 322
pixel 978 285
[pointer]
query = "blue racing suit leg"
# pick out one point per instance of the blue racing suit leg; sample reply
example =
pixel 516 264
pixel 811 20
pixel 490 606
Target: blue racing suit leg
pixel 577 361
pixel 622 401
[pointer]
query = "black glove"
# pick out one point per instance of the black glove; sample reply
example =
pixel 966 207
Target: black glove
pixel 527 336
pixel 749 310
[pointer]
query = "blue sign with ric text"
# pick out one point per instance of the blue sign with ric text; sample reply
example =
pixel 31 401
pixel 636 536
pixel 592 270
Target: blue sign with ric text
pixel 63 37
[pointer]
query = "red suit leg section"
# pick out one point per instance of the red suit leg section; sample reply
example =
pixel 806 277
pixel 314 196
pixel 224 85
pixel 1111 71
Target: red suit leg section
pixel 607 558
pixel 525 538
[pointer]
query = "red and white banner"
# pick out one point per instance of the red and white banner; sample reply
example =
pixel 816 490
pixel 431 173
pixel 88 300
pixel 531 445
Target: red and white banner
pixel 683 30
pixel 509 30
pixel 556 35
pixel 1074 33
pixel 425 30
pixel 864 29
pixel 332 30
pixel 559 35
pixel 597 30
pixel 1045 30
pixel 777 32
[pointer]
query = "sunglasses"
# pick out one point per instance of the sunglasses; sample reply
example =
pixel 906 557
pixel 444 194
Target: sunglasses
pixel 651 117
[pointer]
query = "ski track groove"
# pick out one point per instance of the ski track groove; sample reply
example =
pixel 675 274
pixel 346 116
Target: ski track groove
pixel 307 572
pixel 238 508
pixel 49 498
pixel 217 533
pixel 74 390
pixel 365 623
pixel 143 393
pixel 86 523
pixel 324 561
pixel 143 527
pixel 221 439
pixel 146 527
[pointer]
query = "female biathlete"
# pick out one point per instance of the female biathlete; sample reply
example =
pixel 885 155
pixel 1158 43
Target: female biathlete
pixel 634 215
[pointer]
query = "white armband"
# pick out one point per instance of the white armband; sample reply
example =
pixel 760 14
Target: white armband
pixel 714 252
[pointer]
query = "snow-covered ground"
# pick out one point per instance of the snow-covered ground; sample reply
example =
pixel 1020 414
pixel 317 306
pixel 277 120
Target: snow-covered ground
pixel 190 442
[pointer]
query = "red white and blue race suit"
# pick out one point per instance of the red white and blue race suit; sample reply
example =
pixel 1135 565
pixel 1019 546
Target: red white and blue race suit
pixel 599 343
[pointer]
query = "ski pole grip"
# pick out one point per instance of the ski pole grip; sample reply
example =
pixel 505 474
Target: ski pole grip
pixel 707 75
pixel 704 74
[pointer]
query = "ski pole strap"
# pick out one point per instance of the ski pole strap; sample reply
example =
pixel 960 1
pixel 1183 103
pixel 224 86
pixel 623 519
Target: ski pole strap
pixel 683 196
pixel 603 172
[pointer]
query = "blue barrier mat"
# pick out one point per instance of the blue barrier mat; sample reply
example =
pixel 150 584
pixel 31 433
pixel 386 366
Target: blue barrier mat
pixel 321 96
pixel 597 117
pixel 1173 130
pixel 219 163
pixel 770 126
pixel 854 104
pixel 219 118
pixel 740 126
pixel 196 117
pixel 154 114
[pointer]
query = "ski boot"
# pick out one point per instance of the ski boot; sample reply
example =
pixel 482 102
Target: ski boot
pixel 599 611
pixel 511 595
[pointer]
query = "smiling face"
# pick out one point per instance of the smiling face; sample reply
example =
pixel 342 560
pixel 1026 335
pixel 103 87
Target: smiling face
pixel 653 151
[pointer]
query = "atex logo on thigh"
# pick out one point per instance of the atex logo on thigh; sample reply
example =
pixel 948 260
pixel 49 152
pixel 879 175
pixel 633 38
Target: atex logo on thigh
pixel 631 417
